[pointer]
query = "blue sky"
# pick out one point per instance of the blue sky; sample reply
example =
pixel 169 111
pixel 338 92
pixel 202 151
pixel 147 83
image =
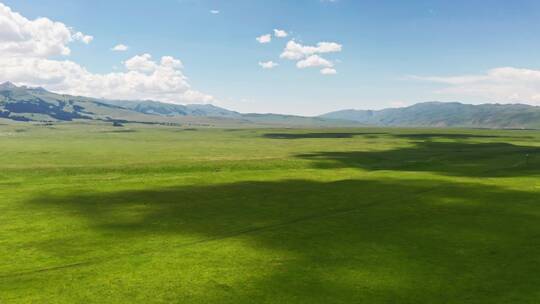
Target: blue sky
pixel 393 53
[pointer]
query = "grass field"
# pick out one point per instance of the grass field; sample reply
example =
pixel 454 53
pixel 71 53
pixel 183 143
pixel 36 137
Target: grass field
pixel 96 214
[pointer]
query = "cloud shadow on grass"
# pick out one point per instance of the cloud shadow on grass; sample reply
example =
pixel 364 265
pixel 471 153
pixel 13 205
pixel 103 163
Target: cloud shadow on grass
pixel 387 240
pixel 411 136
pixel 320 135
pixel 446 158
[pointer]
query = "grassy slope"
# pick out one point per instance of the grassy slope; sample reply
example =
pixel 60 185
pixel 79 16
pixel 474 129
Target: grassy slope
pixel 94 214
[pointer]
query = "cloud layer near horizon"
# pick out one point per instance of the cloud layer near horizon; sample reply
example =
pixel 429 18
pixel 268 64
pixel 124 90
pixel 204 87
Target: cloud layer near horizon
pixel 27 48
pixel 504 84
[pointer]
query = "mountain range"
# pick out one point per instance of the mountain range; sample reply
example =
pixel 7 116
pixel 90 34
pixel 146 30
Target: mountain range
pixel 21 103
pixel 447 114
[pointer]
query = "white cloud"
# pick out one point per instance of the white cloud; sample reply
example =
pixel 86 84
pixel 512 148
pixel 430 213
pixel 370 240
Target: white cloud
pixel 268 64
pixel 36 38
pixel 328 71
pixel 144 79
pixel 214 12
pixel 328 47
pixel 314 61
pixel 27 46
pixel 280 33
pixel 86 39
pixel 308 56
pixel 141 63
pixel 297 51
pixel 169 61
pixel 267 38
pixel 505 84
pixel 120 48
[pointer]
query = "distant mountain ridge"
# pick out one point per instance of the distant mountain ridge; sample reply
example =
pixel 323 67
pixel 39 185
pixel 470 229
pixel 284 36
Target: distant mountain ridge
pixel 447 114
pixel 168 109
pixel 22 103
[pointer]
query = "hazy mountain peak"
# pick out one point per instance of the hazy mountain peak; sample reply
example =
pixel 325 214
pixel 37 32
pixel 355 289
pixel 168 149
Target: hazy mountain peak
pixel 7 86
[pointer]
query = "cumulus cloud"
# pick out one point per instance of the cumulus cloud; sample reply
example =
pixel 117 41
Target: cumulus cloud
pixel 313 61
pixel 120 48
pixel 297 51
pixel 27 46
pixel 214 12
pixel 86 39
pixel 268 64
pixel 267 38
pixel 505 84
pixel 41 37
pixel 308 56
pixel 141 63
pixel 328 71
pixel 169 61
pixel 280 33
pixel 144 79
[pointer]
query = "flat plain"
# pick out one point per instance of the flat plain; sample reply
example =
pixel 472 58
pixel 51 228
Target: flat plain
pixel 146 214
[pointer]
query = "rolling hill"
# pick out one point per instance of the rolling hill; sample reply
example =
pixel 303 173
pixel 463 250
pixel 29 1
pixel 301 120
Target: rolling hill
pixel 37 104
pixel 20 103
pixel 449 114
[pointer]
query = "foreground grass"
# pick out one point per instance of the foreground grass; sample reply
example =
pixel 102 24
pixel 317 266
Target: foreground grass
pixel 95 214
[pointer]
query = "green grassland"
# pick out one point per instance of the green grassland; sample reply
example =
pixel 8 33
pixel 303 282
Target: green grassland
pixel 155 214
